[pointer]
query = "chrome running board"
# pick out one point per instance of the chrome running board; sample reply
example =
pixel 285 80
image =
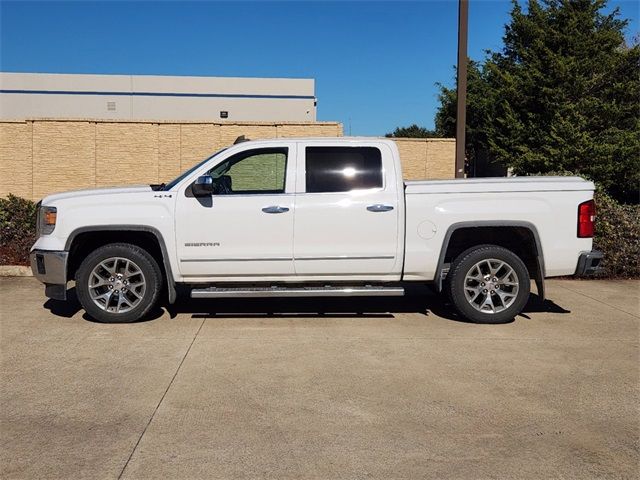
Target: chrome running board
pixel 259 292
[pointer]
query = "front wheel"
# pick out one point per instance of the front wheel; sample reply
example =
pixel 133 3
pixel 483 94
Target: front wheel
pixel 488 284
pixel 118 283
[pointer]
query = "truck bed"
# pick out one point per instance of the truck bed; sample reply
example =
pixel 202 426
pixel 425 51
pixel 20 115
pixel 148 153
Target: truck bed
pixel 548 206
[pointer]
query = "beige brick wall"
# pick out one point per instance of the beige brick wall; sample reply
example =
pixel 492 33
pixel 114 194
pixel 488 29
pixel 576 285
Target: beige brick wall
pixel 441 158
pixel 427 158
pixel 126 154
pixel 169 150
pixel 16 160
pixel 64 157
pixel 40 157
pixel 228 133
pixel 197 141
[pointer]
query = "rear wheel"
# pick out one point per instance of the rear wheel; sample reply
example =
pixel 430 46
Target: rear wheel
pixel 488 284
pixel 118 283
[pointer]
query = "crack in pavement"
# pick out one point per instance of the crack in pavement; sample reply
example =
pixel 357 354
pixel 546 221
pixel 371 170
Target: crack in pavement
pixel 599 301
pixel 161 400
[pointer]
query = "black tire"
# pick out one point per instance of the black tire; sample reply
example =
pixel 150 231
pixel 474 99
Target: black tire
pixel 148 297
pixel 455 285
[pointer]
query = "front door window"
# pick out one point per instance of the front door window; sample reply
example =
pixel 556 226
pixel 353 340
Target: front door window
pixel 254 172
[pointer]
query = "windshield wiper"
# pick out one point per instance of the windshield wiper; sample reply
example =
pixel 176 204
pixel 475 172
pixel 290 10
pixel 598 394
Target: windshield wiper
pixel 158 187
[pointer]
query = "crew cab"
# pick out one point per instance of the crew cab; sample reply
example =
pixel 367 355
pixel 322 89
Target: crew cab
pixel 314 217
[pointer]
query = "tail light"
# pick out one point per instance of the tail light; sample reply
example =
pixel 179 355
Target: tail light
pixel 586 219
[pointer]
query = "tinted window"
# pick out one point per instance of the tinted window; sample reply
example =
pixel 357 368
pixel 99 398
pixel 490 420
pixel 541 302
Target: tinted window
pixel 254 171
pixel 340 169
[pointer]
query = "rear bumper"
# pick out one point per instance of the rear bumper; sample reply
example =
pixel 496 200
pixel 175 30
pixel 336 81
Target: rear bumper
pixel 589 263
pixel 50 267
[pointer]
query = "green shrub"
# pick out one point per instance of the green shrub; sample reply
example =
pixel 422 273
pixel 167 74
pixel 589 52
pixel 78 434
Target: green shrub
pixel 17 230
pixel 618 236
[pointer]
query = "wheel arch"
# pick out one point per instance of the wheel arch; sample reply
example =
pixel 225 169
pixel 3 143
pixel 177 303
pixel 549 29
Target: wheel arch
pixel 88 238
pixel 502 233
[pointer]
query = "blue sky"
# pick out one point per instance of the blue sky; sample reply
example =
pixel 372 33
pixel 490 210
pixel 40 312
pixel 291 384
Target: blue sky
pixel 375 63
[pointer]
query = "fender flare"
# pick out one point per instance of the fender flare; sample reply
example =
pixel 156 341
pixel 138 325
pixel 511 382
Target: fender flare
pixel 540 274
pixel 171 284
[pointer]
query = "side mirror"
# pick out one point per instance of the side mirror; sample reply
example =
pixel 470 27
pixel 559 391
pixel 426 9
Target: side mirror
pixel 203 186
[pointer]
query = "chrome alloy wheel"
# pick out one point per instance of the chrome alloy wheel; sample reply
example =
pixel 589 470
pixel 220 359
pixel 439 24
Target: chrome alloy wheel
pixel 117 285
pixel 491 286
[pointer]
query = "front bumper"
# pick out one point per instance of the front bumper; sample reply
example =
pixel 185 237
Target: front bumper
pixel 589 263
pixel 50 267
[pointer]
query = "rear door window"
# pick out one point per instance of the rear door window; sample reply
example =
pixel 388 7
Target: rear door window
pixel 342 169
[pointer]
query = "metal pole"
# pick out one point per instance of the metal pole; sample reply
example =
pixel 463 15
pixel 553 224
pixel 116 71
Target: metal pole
pixel 461 115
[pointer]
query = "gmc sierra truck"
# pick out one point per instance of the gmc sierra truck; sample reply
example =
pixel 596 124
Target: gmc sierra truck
pixel 314 217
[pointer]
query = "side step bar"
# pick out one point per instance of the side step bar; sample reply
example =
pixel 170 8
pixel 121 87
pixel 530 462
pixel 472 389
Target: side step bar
pixel 259 292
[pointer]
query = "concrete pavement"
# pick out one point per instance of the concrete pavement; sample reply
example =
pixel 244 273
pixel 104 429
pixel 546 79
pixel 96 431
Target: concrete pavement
pixel 361 388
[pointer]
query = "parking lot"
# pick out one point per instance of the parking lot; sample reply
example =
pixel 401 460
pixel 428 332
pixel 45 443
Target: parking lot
pixel 361 388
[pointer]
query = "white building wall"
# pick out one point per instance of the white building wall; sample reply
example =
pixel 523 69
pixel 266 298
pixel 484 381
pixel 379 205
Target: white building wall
pixel 131 97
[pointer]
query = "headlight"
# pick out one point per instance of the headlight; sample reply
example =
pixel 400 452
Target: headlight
pixel 47 217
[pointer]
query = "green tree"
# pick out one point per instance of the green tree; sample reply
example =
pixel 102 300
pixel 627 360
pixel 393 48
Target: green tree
pixel 563 94
pixel 479 111
pixel 412 131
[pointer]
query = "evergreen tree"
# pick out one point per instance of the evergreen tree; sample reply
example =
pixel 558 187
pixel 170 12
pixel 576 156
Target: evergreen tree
pixel 479 111
pixel 412 131
pixel 563 94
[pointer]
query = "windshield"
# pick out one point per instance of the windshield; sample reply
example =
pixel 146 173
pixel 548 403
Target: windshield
pixel 183 175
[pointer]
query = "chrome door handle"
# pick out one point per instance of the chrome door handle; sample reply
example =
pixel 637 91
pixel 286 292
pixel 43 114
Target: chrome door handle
pixel 378 207
pixel 275 209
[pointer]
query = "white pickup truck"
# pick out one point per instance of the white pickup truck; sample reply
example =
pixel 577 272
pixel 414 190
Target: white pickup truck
pixel 314 217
